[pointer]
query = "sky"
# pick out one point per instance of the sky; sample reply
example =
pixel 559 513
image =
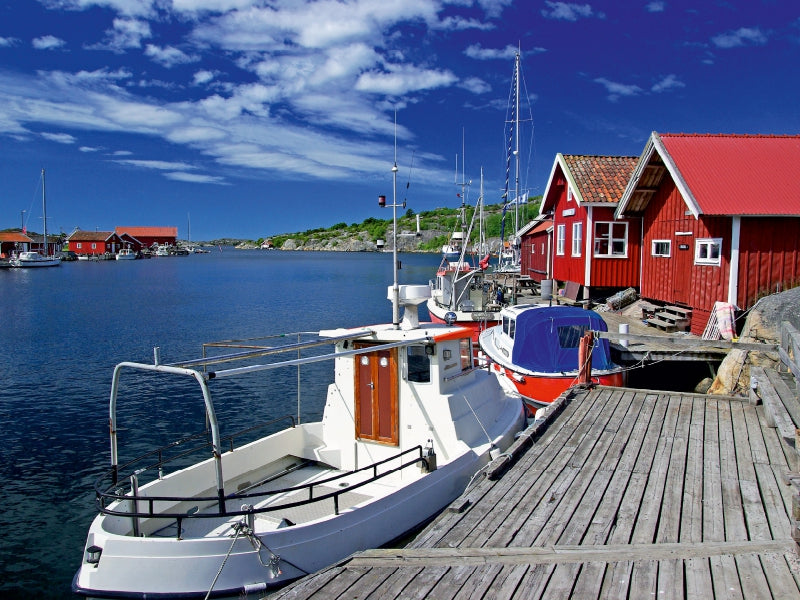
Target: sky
pixel 252 118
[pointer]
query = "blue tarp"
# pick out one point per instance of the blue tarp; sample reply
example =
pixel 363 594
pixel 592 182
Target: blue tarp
pixel 546 339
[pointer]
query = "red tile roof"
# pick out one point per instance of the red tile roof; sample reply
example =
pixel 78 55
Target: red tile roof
pixel 600 178
pixel 738 174
pixel 149 231
pixel 90 236
pixel 14 236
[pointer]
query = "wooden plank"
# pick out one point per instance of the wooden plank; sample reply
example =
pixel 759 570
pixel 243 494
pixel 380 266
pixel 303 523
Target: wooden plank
pixel 754 513
pixel 724 579
pixel 777 415
pixel 669 523
pixel 782 582
pixel 308 585
pixel 534 583
pixel 751 576
pixel 670 583
pixel 785 394
pixel 644 575
pixel 589 581
pixel 394 585
pixel 481 582
pixel 683 341
pixel 453 582
pixel 692 510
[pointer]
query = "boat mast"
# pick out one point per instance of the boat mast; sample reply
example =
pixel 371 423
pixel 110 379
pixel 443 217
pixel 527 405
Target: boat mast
pixel 44 213
pixel 516 146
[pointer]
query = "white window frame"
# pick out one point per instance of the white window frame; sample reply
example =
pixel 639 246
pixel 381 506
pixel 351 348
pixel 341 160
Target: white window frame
pixel 707 243
pixel 611 240
pixel 577 238
pixel 666 254
pixel 561 234
pixel 94 245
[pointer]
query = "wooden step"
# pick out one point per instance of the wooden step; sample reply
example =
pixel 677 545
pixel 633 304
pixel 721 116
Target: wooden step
pixel 668 326
pixel 680 311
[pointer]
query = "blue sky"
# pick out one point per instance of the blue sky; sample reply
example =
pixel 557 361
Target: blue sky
pixel 257 117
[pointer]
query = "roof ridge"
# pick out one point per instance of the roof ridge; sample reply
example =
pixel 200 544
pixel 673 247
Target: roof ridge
pixel 732 135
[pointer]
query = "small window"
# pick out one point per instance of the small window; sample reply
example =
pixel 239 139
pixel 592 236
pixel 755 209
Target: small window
pixel 465 350
pixel 577 238
pixel 569 194
pixel 94 246
pixel 508 326
pixel 662 248
pixel 708 251
pixel 78 245
pixel 561 234
pixel 419 365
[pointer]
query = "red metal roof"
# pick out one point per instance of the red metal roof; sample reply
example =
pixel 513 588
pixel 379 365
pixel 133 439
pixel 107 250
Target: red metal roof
pixel 139 232
pixel 738 174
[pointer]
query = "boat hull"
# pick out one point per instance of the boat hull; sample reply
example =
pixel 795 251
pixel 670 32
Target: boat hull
pixel 185 568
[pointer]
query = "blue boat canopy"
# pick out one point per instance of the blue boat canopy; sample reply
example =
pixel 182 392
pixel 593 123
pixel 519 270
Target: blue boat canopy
pixel 546 339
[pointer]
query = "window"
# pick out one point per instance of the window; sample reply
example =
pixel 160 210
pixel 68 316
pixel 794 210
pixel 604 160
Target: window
pixel 508 327
pixel 708 251
pixel 419 365
pixel 662 248
pixel 569 336
pixel 465 350
pixel 610 239
pixel 94 246
pixel 561 233
pixel 577 237
pixel 78 245
pixel 569 194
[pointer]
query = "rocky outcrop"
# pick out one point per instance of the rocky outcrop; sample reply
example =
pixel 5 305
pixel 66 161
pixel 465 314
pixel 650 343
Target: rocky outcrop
pixel 762 325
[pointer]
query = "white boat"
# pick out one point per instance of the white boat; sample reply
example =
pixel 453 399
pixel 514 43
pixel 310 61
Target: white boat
pixel 162 250
pixel 408 422
pixel 125 254
pixel 31 258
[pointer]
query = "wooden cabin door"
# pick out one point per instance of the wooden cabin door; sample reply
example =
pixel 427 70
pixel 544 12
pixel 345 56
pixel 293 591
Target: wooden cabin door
pixel 377 413
pixel 682 269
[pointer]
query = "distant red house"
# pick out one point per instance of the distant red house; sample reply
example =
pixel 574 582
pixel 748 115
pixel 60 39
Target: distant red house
pixel 590 246
pixel 13 241
pixel 147 236
pixel 721 219
pixel 536 243
pixel 90 243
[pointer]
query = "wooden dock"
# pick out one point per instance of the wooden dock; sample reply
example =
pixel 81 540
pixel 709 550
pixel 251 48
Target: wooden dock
pixel 618 493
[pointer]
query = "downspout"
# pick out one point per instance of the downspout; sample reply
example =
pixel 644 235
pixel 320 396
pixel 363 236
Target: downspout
pixel 733 274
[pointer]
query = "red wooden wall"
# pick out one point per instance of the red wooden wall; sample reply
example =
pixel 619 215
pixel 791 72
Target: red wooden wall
pixel 769 257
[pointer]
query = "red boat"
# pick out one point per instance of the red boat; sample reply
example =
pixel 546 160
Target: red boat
pixel 536 349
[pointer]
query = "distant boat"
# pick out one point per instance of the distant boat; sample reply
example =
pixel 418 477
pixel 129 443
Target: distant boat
pixel 31 258
pixel 126 254
pixel 537 350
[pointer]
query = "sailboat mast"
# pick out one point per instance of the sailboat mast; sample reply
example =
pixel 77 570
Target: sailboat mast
pixel 44 213
pixel 516 144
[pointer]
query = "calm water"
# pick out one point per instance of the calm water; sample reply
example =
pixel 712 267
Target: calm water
pixel 64 329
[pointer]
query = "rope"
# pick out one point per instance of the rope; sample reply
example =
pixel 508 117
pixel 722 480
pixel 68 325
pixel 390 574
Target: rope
pixel 238 529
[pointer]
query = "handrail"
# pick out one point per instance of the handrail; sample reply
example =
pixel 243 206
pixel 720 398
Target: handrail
pixel 160 451
pixel 149 501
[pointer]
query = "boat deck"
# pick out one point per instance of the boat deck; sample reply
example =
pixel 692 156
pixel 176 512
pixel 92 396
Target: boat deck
pixel 623 494
pixel 290 515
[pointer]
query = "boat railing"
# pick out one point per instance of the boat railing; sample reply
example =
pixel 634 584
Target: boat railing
pixel 110 500
pixel 127 469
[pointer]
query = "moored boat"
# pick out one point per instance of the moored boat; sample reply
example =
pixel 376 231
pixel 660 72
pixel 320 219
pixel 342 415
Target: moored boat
pixel 126 254
pixel 536 350
pixel 30 258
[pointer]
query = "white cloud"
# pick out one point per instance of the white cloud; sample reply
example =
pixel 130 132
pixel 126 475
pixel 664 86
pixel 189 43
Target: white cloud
pixel 478 53
pixel 740 37
pixel 48 42
pixel 203 76
pixel 88 149
pixel 656 6
pixel 6 42
pixel 567 11
pixel 61 138
pixel 194 178
pixel 616 90
pixel 159 165
pixel 494 8
pixel 125 34
pixel 462 24
pixel 475 85
pixel 169 56
pixel 670 82
pixel 400 80
pixel 139 8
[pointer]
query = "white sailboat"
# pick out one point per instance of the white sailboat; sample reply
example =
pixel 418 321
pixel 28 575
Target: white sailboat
pixel 408 421
pixel 32 258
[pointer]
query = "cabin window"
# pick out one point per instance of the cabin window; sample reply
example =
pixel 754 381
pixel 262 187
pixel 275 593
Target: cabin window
pixel 662 248
pixel 577 238
pixel 465 351
pixel 508 326
pixel 561 234
pixel 78 245
pixel 418 365
pixel 569 336
pixel 708 251
pixel 610 239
